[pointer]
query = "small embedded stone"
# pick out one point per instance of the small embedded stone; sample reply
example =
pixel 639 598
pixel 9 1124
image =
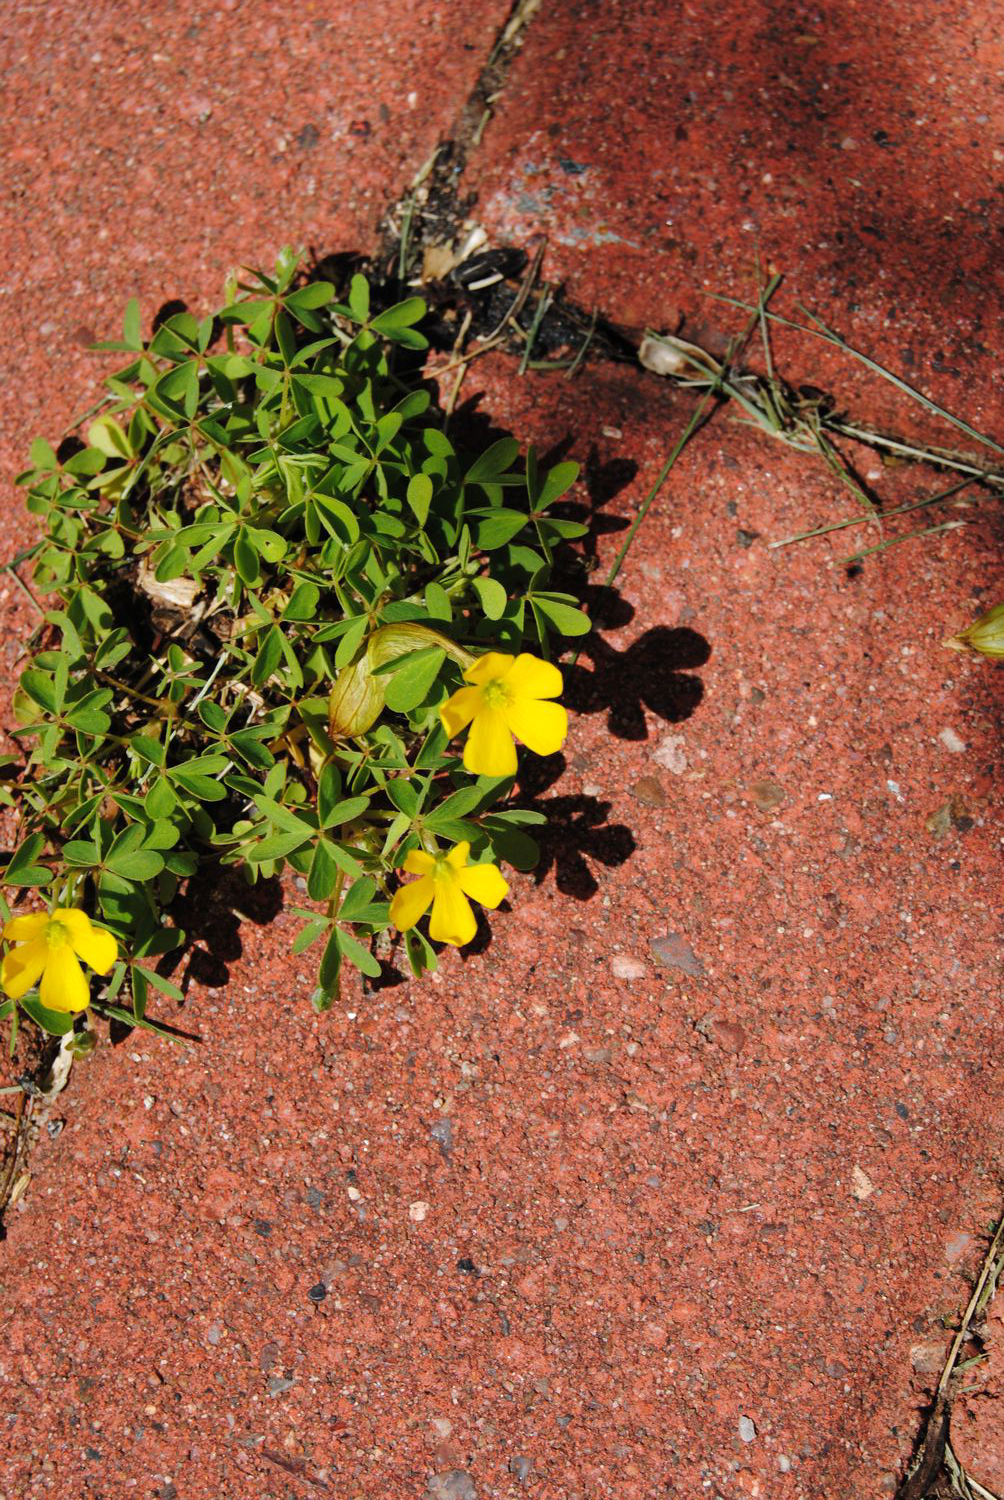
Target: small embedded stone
pixel 671 754
pixel 623 966
pixel 728 1035
pixel 951 814
pixel 928 1357
pixel 957 1245
pixel 674 952
pixel 597 1054
pixel 452 1484
pixel 441 1131
pixel 767 795
pixel 650 792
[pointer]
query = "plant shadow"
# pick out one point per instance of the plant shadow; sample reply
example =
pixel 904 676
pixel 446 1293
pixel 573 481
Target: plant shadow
pixel 210 911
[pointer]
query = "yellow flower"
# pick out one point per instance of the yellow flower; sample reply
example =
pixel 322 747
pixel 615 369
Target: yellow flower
pixel 446 882
pixel 505 699
pixel 48 946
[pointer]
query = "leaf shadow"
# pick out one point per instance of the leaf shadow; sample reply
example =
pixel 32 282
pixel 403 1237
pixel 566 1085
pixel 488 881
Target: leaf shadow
pixel 210 911
pixel 577 834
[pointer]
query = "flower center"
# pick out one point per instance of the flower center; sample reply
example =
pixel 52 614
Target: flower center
pixel 56 934
pixel 497 694
pixel 443 871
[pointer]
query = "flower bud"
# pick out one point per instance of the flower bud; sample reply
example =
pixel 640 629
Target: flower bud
pixel 356 700
pixel 392 641
pixel 357 697
pixel 985 635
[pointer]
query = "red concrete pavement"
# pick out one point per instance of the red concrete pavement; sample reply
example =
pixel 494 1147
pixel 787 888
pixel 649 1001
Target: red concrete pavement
pixel 859 148
pixel 647 1227
pixel 149 149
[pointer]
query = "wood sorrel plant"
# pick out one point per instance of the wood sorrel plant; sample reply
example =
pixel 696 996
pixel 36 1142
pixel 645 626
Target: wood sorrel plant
pixel 276 593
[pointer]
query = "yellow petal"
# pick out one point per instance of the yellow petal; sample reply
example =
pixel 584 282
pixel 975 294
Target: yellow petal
pixel 484 883
pixel 489 750
pixel 489 668
pixel 458 711
pixel 21 929
pixel 93 944
pixel 411 902
pixel 457 856
pixel 22 967
pixel 452 920
pixel 541 726
pixel 418 862
pixel 63 984
pixel 529 677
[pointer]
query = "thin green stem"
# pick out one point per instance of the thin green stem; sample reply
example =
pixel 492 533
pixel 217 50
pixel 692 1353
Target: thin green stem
pixel 907 536
pixel 821 331
pixel 761 307
pixel 543 303
pixel 402 254
pixel 26 591
pixel 580 355
pixel 336 897
pixel 900 510
pixel 942 457
pixel 697 420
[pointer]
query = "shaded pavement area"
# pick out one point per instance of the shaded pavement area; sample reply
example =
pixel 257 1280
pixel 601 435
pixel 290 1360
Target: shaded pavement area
pixel 674 1187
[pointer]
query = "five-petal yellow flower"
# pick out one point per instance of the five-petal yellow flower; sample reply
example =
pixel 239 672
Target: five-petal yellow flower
pixel 47 948
pixel 446 882
pixel 507 696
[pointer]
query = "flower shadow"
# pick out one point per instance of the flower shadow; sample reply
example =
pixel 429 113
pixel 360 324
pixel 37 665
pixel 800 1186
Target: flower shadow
pixel 655 672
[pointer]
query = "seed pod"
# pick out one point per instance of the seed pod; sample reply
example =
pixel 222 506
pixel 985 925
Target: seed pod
pixel 985 635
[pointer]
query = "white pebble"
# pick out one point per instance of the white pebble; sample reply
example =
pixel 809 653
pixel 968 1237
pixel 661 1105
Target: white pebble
pixel 951 741
pixel 418 1210
pixel 747 1429
pixel 623 966
pixel 670 753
